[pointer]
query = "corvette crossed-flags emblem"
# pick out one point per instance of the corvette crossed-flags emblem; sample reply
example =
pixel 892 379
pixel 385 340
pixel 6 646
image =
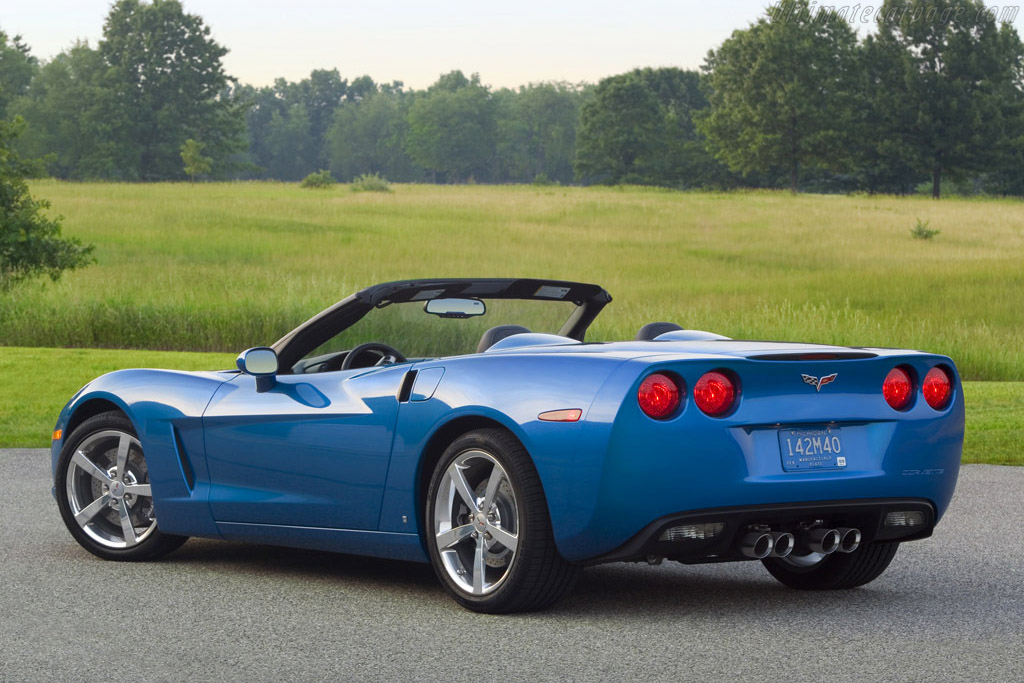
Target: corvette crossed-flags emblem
pixel 817 382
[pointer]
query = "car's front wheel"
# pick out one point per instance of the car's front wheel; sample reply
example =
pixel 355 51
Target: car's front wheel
pixel 816 571
pixel 489 533
pixel 104 494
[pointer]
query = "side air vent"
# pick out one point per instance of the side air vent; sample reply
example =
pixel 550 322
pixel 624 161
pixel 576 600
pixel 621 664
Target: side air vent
pixel 406 388
pixel 186 466
pixel 836 355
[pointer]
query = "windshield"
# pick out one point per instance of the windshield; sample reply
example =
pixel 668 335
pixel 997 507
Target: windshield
pixel 418 334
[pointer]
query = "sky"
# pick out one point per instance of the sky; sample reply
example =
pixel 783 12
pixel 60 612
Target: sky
pixel 415 41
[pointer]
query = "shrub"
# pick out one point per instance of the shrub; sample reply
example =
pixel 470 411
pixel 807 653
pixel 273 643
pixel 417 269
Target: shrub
pixel 30 241
pixel 542 180
pixel 921 231
pixel 319 179
pixel 371 182
pixel 196 165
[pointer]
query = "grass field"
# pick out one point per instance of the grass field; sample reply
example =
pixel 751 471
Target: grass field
pixel 28 410
pixel 220 267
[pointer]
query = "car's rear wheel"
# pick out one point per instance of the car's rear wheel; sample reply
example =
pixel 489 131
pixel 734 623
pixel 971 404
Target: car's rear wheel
pixel 104 494
pixel 817 571
pixel 488 529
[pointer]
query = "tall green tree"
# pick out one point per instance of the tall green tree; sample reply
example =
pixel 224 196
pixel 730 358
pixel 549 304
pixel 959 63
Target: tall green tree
pixel 313 101
pixel 260 106
pixel 30 241
pixel 949 111
pixel 290 145
pixel 639 128
pixel 781 92
pixel 73 117
pixel 681 158
pixel 325 92
pixel 880 114
pixel 452 129
pixel 319 96
pixel 169 85
pixel 1007 175
pixel 619 131
pixel 368 136
pixel 17 67
pixel 536 131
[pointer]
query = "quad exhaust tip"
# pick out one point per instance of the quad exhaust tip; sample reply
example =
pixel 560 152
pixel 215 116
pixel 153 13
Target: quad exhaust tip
pixel 824 541
pixel 783 544
pixel 849 539
pixel 757 544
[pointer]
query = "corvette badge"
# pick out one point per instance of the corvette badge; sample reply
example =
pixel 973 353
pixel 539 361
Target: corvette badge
pixel 819 382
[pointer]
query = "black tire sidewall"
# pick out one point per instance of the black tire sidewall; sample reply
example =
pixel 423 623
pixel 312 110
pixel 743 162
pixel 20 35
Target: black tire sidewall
pixel 837 570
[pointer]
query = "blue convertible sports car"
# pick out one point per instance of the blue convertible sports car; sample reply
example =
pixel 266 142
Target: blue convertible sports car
pixel 509 459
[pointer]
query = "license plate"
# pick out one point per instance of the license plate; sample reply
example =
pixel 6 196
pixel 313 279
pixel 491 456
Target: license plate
pixel 808 449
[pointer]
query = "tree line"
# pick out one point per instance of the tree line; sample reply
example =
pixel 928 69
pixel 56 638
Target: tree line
pixel 796 99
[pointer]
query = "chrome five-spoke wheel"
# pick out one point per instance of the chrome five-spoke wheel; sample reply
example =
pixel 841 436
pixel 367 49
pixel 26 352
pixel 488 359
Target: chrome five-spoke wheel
pixel 104 492
pixel 108 489
pixel 488 529
pixel 476 522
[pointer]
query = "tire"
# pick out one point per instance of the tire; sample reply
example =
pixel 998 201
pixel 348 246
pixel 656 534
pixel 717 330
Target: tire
pixel 102 460
pixel 498 558
pixel 835 571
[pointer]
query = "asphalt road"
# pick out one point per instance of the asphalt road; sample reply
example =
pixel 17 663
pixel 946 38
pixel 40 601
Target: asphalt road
pixel 950 608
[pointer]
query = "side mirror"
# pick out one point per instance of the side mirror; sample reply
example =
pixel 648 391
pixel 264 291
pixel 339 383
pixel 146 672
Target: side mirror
pixel 261 363
pixel 455 308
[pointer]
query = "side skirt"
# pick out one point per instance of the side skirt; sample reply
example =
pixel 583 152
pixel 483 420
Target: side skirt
pixel 384 544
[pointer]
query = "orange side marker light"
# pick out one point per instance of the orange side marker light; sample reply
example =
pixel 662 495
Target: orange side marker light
pixel 570 415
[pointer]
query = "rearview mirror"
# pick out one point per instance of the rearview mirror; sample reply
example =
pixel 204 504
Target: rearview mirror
pixel 455 308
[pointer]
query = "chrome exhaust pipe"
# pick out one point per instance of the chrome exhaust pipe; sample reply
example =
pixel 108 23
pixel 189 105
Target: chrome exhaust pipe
pixel 825 541
pixel 757 544
pixel 849 539
pixel 783 544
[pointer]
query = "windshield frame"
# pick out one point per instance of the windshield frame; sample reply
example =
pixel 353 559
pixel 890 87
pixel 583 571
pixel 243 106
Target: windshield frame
pixel 589 300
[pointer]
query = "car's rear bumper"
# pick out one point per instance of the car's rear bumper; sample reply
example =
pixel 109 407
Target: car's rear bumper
pixel 713 535
pixel 625 471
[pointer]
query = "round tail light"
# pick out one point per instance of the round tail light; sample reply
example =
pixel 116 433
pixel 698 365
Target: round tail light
pixel 937 388
pixel 714 393
pixel 658 396
pixel 898 388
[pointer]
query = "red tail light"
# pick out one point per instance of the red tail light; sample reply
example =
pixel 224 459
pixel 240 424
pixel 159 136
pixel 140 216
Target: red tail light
pixel 937 388
pixel 658 396
pixel 714 393
pixel 897 388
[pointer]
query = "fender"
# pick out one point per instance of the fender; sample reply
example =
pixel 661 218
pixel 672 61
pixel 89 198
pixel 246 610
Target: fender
pixel 170 431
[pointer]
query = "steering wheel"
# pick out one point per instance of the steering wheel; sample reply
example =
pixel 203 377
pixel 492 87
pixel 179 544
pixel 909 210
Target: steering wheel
pixel 388 355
